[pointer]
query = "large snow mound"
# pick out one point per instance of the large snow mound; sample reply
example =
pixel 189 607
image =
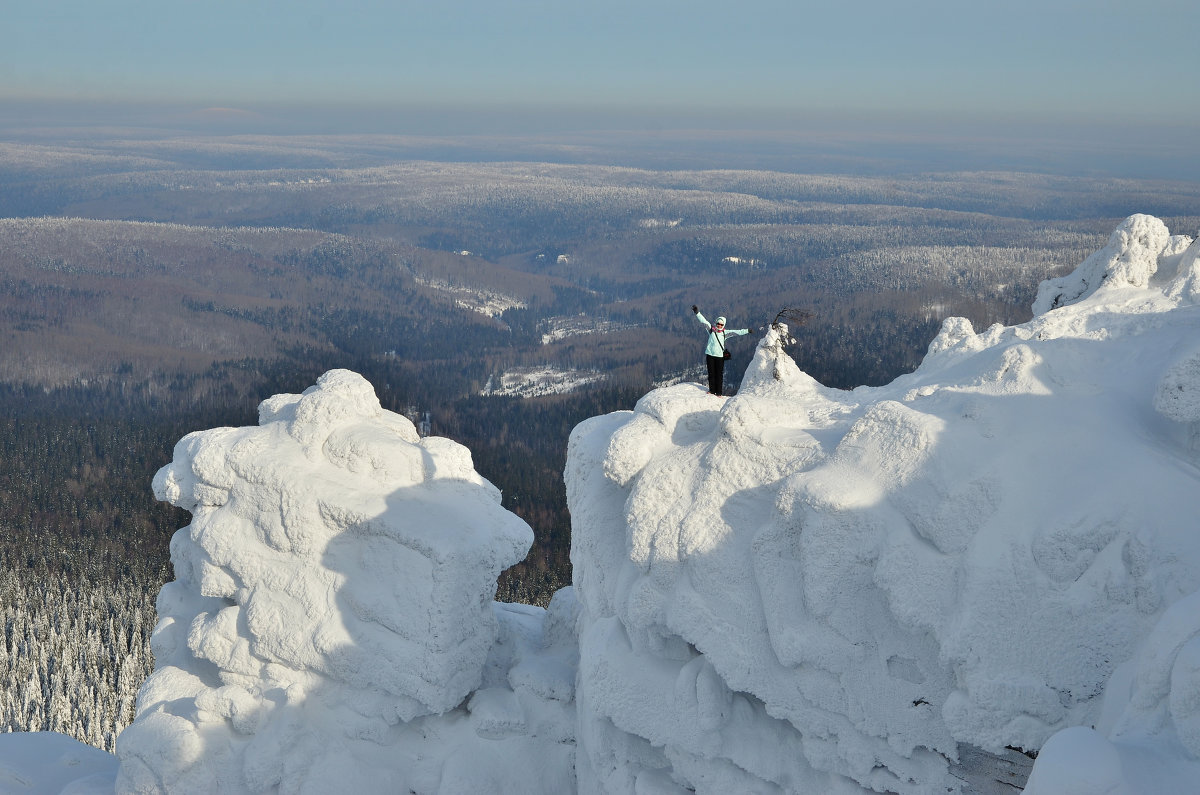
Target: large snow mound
pixel 800 589
pixel 332 612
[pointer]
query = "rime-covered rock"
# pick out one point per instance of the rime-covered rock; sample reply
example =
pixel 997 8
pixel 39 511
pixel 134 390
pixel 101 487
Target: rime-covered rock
pixel 1130 259
pixel 332 602
pixel 800 589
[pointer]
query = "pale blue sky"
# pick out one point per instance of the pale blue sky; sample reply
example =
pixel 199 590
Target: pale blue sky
pixel 1125 60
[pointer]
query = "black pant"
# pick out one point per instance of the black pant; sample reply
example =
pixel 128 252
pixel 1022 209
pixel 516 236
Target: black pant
pixel 716 373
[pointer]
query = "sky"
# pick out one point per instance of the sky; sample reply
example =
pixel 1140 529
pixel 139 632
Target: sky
pixel 1127 60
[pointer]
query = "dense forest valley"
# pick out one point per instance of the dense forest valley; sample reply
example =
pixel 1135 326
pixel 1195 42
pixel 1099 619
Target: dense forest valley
pixel 157 286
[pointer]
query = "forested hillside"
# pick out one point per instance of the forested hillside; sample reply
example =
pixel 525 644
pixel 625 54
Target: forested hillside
pixel 149 288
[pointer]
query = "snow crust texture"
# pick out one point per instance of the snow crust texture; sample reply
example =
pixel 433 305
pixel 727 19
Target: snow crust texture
pixel 333 611
pixel 803 590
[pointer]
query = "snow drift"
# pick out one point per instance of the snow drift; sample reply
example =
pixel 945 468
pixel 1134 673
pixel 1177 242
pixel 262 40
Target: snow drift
pixel 793 590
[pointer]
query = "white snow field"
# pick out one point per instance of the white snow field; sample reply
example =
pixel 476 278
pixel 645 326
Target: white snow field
pixel 793 590
pixel 526 382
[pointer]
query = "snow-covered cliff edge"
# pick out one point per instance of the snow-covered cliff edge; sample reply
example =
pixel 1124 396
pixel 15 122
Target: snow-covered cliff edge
pixel 804 590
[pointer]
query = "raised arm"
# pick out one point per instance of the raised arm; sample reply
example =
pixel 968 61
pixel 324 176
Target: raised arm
pixel 700 317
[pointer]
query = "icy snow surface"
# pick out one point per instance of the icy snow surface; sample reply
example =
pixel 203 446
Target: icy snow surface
pixel 795 590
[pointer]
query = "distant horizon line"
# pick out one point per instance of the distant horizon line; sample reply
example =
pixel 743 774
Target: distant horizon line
pixel 879 141
pixel 601 115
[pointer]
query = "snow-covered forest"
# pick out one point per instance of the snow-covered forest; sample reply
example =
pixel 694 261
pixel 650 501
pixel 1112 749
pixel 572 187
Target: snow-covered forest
pixel 73 654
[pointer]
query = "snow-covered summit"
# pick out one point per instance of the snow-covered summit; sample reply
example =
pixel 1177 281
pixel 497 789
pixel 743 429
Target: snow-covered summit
pixel 835 590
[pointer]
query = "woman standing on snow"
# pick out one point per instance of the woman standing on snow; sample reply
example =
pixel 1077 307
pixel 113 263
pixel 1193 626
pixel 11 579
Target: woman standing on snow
pixel 715 353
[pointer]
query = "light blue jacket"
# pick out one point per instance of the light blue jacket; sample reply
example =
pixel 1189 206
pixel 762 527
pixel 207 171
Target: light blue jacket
pixel 716 339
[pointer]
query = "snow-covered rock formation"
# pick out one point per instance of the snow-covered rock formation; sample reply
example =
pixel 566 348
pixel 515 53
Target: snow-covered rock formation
pixel 333 611
pixel 1147 739
pixel 803 590
pixel 793 590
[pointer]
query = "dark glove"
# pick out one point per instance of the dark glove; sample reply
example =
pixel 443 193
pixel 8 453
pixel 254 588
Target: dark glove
pixel 695 309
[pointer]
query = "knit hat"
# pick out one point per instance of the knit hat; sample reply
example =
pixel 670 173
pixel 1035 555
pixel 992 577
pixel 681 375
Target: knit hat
pixel 721 321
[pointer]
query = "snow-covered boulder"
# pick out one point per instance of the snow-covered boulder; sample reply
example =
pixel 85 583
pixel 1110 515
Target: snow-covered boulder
pixel 1133 255
pixel 1187 284
pixel 332 609
pixel 1148 736
pixel 798 589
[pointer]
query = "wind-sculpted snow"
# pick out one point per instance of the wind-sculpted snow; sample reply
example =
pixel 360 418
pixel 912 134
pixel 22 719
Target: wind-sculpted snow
pixel 331 626
pixel 800 589
pixel 1131 257
pixel 1148 736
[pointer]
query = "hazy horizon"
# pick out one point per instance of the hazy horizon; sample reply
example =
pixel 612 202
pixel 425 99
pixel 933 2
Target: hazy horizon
pixel 662 138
